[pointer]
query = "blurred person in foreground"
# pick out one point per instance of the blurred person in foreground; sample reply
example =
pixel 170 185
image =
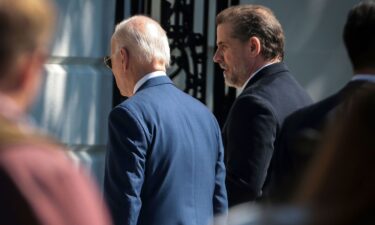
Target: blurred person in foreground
pixel 301 132
pixel 39 184
pixel 164 162
pixel 250 50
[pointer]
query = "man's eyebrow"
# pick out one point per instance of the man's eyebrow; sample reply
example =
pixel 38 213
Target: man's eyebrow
pixel 219 43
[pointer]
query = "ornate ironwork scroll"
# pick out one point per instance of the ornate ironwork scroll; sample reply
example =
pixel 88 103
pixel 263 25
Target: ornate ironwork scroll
pixel 188 49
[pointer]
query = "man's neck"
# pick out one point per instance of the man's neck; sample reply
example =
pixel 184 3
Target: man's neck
pixel 264 64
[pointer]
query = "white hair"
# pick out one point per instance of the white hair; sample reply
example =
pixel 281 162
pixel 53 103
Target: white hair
pixel 144 38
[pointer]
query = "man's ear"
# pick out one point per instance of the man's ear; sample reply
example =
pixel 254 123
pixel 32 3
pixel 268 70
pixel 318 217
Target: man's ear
pixel 254 46
pixel 124 58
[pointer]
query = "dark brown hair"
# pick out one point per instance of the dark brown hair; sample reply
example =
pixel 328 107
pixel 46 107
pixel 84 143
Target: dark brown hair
pixel 359 35
pixel 255 20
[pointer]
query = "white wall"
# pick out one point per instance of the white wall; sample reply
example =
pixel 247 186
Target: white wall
pixel 77 94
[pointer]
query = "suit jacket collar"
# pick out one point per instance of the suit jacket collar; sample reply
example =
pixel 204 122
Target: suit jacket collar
pixel 155 82
pixel 267 72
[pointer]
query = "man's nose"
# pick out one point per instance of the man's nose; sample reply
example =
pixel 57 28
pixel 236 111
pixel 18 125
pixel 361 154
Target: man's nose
pixel 217 56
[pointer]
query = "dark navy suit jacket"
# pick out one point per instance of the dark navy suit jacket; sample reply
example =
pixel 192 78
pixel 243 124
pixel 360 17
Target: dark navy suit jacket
pixel 299 137
pixel 164 162
pixel 252 128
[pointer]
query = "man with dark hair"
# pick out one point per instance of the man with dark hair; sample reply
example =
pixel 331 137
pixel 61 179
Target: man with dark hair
pixel 39 184
pixel 359 34
pixel 301 131
pixel 250 50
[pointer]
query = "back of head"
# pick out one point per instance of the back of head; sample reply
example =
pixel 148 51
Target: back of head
pixel 144 38
pixel 25 25
pixel 359 35
pixel 255 20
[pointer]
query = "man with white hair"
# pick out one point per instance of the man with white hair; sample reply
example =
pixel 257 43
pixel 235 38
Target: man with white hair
pixel 164 162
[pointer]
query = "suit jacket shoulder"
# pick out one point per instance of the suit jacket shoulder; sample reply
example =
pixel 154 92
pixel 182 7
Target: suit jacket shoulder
pixel 252 128
pixel 278 88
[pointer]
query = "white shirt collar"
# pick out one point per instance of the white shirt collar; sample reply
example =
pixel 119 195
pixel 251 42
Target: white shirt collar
pixel 146 78
pixel 252 75
pixel 364 77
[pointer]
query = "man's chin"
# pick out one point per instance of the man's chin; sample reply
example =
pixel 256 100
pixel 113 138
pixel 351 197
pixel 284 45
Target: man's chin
pixel 226 79
pixel 230 84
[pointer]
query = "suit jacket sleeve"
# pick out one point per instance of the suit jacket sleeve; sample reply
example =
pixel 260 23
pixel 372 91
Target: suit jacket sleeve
pixel 125 165
pixel 220 200
pixel 250 135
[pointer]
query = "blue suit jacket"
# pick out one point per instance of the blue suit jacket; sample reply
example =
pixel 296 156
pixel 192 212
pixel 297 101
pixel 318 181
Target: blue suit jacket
pixel 164 162
pixel 252 129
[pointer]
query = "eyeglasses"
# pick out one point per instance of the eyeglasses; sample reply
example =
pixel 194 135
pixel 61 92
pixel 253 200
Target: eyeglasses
pixel 108 62
pixel 108 59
